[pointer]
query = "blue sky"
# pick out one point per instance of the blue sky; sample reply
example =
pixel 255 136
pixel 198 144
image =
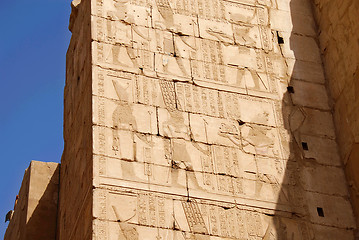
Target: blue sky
pixel 33 42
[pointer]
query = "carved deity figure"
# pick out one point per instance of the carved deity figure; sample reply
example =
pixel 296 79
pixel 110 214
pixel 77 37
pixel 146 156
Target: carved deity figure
pixel 120 31
pixel 175 126
pixel 122 117
pixel 181 157
pixel 167 13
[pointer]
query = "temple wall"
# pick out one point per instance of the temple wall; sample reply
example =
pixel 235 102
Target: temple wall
pixel 339 33
pixel 209 115
pixel 75 204
pixel 207 119
pixel 35 213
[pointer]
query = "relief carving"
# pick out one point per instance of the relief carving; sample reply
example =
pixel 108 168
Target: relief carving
pixel 195 221
pixel 181 157
pixel 175 125
pixel 128 231
pixel 231 132
pixel 246 35
pixel 203 132
pixel 120 28
pixel 260 140
pixel 122 117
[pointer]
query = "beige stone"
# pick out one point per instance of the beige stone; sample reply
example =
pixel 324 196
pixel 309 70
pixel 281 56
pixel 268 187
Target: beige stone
pixel 322 150
pixel 287 21
pixel 310 95
pixel 312 122
pixel 324 180
pixel 35 212
pixel 336 210
pixel 209 119
pixel 168 66
pixel 307 71
pixel 214 130
pixel 301 48
pixel 173 124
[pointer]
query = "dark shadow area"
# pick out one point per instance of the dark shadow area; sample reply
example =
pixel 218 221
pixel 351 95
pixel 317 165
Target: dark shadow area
pixel 43 221
pixel 312 201
pixel 35 210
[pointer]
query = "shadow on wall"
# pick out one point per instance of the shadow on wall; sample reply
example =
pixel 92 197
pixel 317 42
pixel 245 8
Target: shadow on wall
pixel 43 221
pixel 313 199
pixel 35 212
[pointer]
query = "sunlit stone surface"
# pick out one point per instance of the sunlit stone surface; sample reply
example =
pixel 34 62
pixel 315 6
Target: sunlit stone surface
pixel 193 119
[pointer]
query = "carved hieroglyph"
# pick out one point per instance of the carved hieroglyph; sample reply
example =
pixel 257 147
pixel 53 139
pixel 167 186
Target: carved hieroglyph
pixel 195 134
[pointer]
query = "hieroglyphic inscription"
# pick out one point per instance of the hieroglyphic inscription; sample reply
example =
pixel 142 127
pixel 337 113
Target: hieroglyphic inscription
pixel 148 161
pixel 188 133
pixel 169 95
pixel 214 68
pixel 101 119
pixel 254 225
pixel 223 104
pixel 101 230
pixel 198 100
pixel 102 204
pixel 194 217
pixel 207 166
pixel 151 210
pixel 232 222
pixel 226 160
pixel 99 7
pixel 213 9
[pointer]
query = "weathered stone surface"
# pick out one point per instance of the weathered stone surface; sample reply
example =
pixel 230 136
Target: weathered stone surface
pixel 35 211
pixel 310 95
pixel 204 119
pixel 195 119
pixel 338 26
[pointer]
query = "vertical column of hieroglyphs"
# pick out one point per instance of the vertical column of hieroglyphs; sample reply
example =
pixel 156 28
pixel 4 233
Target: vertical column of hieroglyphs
pixel 75 199
pixel 191 138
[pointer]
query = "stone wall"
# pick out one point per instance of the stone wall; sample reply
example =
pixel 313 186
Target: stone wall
pixel 16 227
pixel 339 41
pixel 202 119
pixel 35 214
pixel 211 121
pixel 75 205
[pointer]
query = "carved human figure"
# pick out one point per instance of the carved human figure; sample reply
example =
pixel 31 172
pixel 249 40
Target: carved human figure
pixel 122 12
pixel 231 132
pixel 129 231
pixel 175 126
pixel 249 76
pixel 167 13
pixel 116 29
pixel 181 157
pixel 257 136
pixel 123 118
